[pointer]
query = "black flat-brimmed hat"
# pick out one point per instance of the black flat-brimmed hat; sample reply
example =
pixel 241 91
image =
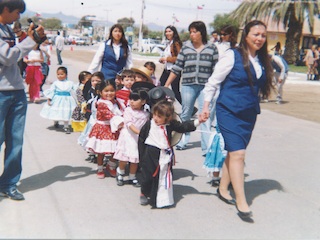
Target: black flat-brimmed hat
pixel 160 93
pixel 147 86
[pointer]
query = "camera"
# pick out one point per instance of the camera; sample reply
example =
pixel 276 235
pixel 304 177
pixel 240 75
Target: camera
pixel 34 25
pixel 35 34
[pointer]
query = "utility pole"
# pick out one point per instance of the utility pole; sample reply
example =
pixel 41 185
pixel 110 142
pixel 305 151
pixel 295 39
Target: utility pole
pixel 141 24
pixel 106 29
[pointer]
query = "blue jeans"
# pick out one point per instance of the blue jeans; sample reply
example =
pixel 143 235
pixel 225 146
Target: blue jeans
pixel 189 95
pixel 59 56
pixel 13 108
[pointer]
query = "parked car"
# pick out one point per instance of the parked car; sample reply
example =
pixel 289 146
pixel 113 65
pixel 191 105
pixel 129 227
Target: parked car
pixel 151 46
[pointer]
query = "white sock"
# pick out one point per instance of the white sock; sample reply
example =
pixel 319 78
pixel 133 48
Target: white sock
pixel 122 172
pixel 132 176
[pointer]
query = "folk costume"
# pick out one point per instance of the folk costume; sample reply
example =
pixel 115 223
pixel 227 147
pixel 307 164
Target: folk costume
pixel 156 160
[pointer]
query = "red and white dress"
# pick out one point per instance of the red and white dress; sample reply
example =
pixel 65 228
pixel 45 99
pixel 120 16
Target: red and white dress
pixel 105 132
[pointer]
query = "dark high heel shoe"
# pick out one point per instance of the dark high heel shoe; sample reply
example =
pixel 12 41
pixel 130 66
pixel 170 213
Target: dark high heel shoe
pixel 244 215
pixel 231 201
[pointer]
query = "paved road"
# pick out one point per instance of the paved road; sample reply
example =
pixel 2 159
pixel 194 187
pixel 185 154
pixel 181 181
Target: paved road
pixel 65 200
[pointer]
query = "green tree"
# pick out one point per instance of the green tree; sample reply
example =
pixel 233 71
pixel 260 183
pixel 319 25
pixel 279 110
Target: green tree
pixel 51 23
pixel 126 22
pixel 221 20
pixel 291 13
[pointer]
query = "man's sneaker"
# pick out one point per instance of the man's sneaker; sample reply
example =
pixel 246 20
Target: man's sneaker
pixel 67 130
pixel 13 194
pixel 100 174
pixel 143 200
pixel 112 172
pixel 119 179
pixel 135 182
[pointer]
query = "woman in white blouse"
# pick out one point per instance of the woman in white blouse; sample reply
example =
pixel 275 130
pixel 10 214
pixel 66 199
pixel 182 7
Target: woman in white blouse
pixel 241 74
pixel 113 55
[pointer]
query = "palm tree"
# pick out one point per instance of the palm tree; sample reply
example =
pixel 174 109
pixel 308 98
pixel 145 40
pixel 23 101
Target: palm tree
pixel 292 13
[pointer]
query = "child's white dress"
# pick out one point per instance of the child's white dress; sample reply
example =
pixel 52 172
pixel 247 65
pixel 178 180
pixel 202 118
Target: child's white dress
pixel 63 102
pixel 127 146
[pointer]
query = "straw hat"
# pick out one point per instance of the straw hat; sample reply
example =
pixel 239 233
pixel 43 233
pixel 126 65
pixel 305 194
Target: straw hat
pixel 143 71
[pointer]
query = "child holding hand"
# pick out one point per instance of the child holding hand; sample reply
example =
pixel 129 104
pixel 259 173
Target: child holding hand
pixel 156 154
pixel 127 147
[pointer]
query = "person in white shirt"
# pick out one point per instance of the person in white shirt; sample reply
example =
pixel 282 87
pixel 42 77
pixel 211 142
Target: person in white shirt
pixel 113 55
pixel 59 42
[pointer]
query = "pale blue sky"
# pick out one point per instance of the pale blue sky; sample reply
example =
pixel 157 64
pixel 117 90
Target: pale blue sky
pixel 156 11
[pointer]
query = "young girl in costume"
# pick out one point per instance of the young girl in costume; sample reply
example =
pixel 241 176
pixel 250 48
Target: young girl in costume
pixel 60 102
pixel 122 95
pixel 105 132
pixel 156 154
pixel 34 75
pixel 127 147
pixel 91 95
pixel 78 121
pixel 152 68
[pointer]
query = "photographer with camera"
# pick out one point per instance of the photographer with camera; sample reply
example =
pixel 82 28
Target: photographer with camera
pixel 13 101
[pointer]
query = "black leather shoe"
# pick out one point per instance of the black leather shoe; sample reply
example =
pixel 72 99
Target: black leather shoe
pixel 13 194
pixel 231 201
pixel 244 215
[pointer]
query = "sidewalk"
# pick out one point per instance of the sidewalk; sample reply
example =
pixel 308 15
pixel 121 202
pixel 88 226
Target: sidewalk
pixel 65 200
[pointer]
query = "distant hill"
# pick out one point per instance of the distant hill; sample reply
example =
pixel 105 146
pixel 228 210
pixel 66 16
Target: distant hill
pixel 69 19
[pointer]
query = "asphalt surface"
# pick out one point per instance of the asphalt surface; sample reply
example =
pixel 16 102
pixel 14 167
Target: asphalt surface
pixel 65 200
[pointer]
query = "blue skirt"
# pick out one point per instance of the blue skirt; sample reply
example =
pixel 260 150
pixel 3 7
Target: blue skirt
pixel 236 128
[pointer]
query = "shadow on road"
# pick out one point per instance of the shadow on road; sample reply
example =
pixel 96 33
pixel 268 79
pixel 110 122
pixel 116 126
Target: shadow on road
pixel 58 173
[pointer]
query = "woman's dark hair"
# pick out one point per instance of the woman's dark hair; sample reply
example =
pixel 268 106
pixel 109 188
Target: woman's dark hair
pixel 164 108
pixel 123 39
pixel 64 69
pixel 175 39
pixel 262 55
pixel 13 5
pixel 230 30
pixel 82 75
pixel 201 27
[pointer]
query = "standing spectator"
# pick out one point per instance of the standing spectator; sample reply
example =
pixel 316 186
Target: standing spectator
pixel 311 61
pixel 195 62
pixel 240 74
pixel 113 55
pixel 281 73
pixel 59 42
pixel 20 34
pixel 13 102
pixel 170 56
pixel 34 74
pixel 277 49
pixel 215 38
pixel 46 52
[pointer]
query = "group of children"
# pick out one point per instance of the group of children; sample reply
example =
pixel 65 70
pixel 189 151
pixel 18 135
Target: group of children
pixel 124 121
